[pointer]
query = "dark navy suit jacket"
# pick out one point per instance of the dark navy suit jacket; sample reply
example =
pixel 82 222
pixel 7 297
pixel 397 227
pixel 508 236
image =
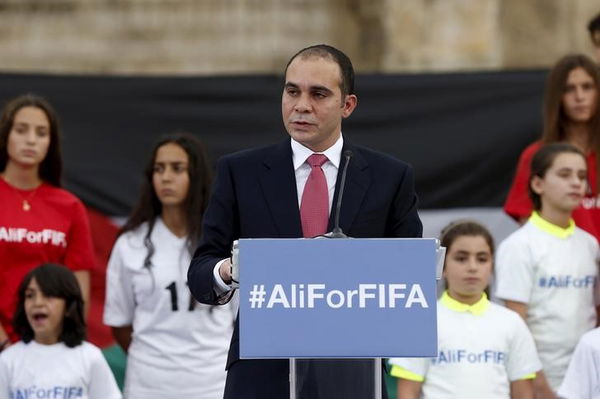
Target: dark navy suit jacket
pixel 254 196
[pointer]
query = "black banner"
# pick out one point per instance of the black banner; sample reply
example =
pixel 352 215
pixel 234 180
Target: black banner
pixel 461 132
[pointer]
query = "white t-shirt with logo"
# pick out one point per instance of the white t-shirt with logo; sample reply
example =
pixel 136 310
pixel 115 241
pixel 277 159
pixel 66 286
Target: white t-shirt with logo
pixel 56 371
pixel 179 347
pixel 582 380
pixel 482 348
pixel 553 271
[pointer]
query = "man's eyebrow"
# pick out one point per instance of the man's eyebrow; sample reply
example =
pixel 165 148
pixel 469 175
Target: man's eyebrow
pixel 321 88
pixel 312 88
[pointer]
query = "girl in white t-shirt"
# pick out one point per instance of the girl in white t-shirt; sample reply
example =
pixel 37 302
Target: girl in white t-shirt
pixel 52 360
pixel 546 270
pixel 177 348
pixel 485 350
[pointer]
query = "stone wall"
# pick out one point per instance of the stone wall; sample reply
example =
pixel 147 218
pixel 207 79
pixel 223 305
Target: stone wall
pixel 255 36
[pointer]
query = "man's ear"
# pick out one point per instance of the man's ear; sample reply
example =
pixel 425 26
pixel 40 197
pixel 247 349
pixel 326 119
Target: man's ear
pixel 350 102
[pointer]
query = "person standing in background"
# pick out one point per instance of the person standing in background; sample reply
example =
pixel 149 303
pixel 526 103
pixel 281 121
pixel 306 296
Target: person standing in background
pixel 39 221
pixel 594 30
pixel 53 359
pixel 546 271
pixel 176 347
pixel 582 380
pixel 472 327
pixel 570 115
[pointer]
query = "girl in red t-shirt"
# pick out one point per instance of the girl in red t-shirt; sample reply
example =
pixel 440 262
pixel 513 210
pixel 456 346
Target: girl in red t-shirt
pixel 39 221
pixel 570 115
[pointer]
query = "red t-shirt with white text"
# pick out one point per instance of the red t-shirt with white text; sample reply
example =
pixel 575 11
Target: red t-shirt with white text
pixel 55 229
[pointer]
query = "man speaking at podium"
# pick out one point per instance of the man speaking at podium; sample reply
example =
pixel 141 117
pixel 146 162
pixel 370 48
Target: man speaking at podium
pixel 288 190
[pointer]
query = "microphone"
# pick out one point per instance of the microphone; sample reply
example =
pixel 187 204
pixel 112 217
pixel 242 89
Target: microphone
pixel 337 230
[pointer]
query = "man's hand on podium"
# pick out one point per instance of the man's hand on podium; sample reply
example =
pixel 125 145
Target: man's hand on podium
pixel 225 271
pixel 229 269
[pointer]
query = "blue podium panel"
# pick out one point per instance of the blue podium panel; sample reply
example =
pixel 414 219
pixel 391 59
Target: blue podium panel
pixel 337 298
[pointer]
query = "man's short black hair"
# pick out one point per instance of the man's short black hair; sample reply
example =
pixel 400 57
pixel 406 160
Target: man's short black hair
pixel 327 51
pixel 594 25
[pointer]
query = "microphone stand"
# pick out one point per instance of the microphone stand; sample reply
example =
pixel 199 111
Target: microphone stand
pixel 337 230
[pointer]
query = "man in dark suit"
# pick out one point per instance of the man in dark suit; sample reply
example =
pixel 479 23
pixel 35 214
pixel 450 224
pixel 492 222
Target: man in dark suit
pixel 280 192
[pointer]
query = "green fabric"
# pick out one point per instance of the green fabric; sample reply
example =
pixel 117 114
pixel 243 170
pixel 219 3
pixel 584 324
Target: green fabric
pixel 117 360
pixel 391 384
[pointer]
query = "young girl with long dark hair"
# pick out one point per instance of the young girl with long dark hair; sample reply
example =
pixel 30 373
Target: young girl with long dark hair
pixel 39 221
pixel 571 115
pixel 176 346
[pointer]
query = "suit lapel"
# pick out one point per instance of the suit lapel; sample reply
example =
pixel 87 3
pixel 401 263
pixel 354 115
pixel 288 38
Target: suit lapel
pixel 278 182
pixel 358 181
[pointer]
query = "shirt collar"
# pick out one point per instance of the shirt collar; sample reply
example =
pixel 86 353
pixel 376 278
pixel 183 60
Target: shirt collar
pixel 300 153
pixel 476 309
pixel 550 228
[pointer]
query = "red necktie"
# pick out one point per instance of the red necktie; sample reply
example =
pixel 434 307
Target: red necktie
pixel 314 207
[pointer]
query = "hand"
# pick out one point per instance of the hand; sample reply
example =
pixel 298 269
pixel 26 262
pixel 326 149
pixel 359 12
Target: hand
pixel 225 271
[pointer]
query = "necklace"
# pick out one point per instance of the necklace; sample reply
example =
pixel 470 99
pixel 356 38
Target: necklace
pixel 26 205
pixel 26 199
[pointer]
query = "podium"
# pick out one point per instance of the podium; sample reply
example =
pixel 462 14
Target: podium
pixel 335 307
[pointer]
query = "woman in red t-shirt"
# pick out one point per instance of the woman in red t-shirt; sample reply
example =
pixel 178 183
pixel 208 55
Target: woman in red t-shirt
pixel 570 114
pixel 39 221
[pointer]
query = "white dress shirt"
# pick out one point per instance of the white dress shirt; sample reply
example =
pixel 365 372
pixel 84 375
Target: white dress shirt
pixel 330 168
pixel 302 169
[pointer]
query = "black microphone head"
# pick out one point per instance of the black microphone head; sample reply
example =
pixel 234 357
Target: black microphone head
pixel 348 154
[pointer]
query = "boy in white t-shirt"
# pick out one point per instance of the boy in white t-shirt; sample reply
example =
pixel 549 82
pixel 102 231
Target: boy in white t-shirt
pixel 546 270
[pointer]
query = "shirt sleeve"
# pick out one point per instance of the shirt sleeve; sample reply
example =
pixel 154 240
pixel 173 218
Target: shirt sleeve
pixel 221 287
pixel 4 380
pixel 518 204
pixel 119 306
pixel 102 382
pixel 514 270
pixel 409 368
pixel 581 379
pixel 522 357
pixel 80 252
